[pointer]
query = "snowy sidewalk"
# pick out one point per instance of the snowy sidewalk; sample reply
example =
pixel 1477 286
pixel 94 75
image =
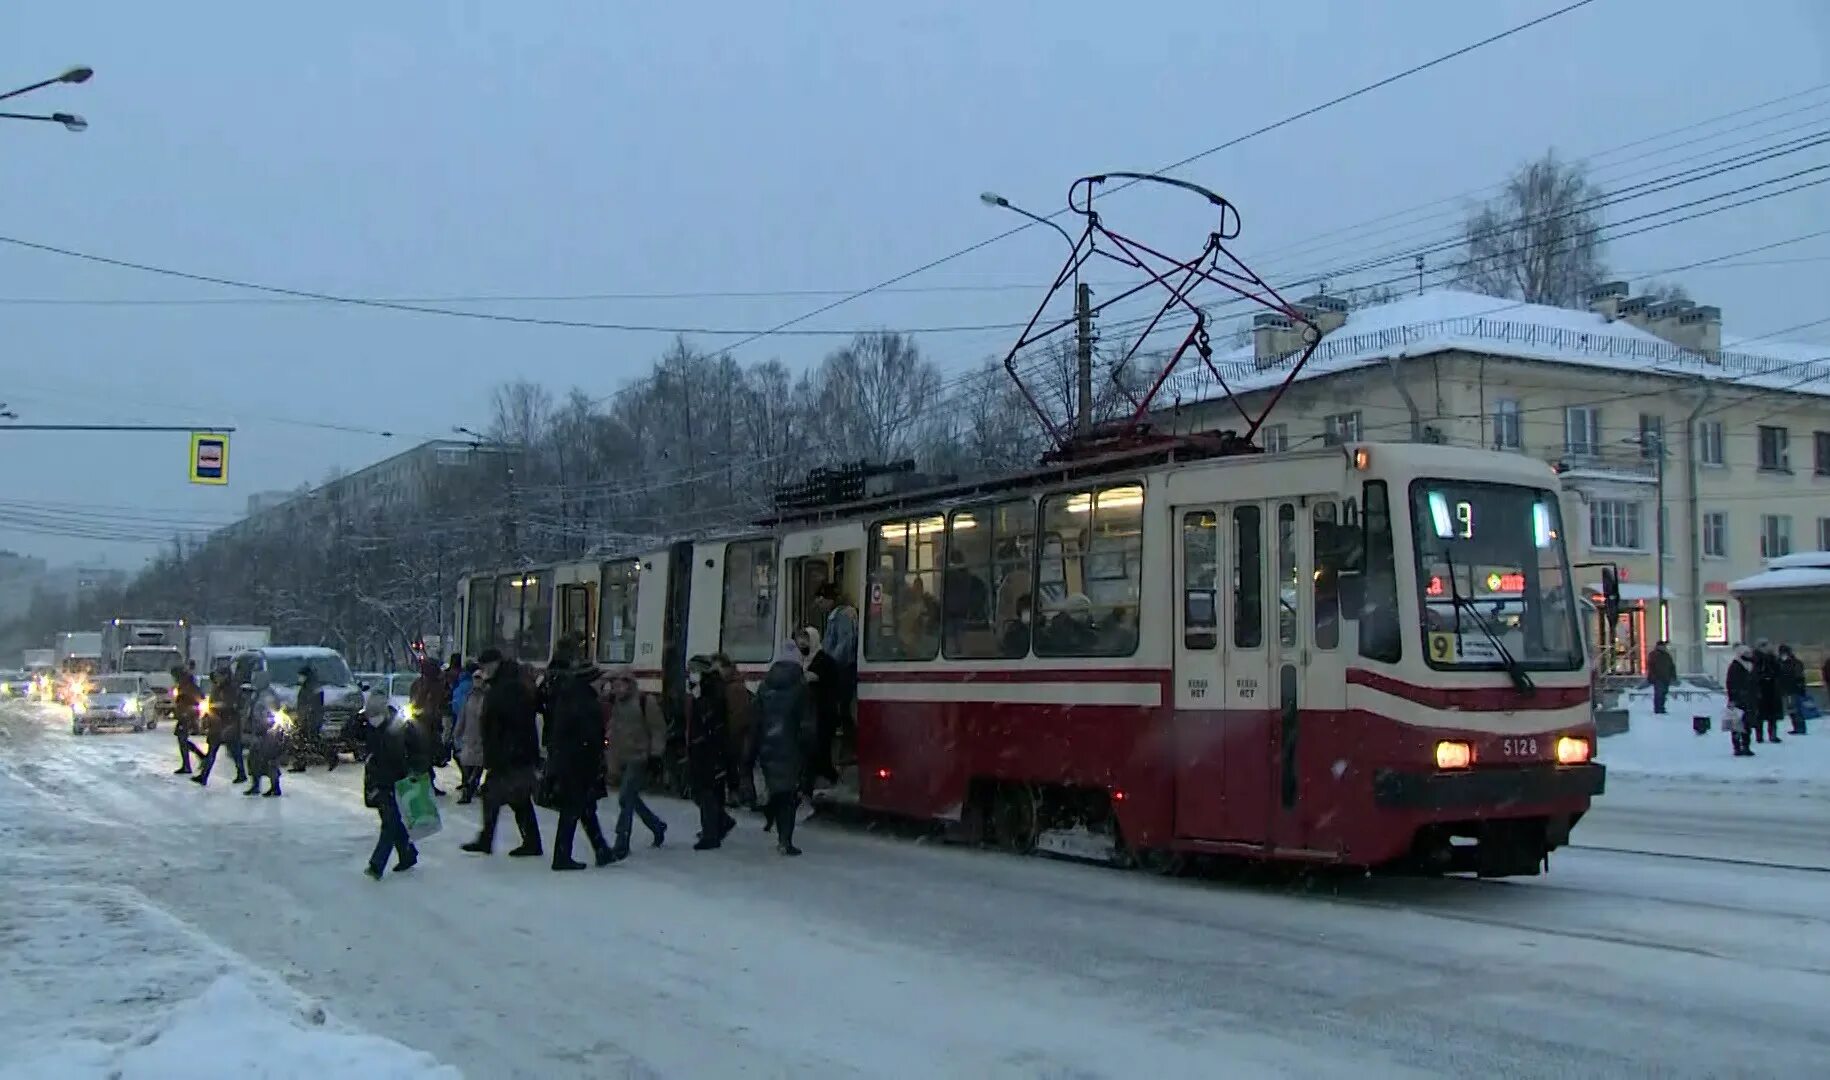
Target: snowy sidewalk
pixel 1666 747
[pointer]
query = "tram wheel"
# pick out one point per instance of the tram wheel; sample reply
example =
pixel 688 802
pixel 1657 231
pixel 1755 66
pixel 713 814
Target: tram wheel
pixel 1015 818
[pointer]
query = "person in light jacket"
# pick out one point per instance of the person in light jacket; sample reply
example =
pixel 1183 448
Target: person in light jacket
pixel 467 731
pixel 635 732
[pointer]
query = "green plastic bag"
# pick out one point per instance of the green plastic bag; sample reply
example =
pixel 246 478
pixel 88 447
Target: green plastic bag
pixel 417 806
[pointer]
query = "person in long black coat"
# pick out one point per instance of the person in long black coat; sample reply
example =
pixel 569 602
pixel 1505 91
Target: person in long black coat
pixel 575 759
pixel 222 725
pixel 782 725
pixel 1769 691
pixel 1792 686
pixel 707 740
pixel 395 752
pixel 511 755
pixel 1743 697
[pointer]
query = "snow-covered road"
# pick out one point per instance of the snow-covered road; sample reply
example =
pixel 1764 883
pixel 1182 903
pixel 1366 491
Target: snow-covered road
pixel 875 956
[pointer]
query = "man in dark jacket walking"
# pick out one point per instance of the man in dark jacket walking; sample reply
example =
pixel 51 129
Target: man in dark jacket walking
pixel 1661 672
pixel 395 752
pixel 707 739
pixel 511 755
pixel 782 725
pixel 222 725
pixel 575 757
pixel 187 714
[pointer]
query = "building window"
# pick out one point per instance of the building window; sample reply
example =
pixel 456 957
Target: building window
pixel 1651 435
pixel 1508 431
pixel 1715 622
pixel 1715 535
pixel 1820 447
pixel 1341 428
pixel 1775 535
pixel 1614 524
pixel 1773 456
pixel 1709 442
pixel 1582 431
pixel 1275 438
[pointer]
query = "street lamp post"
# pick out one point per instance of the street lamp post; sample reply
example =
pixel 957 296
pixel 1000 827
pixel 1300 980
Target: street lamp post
pixel 1083 317
pixel 70 121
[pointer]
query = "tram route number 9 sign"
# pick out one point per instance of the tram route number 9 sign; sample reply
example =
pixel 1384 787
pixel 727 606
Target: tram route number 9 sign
pixel 1446 648
pixel 209 457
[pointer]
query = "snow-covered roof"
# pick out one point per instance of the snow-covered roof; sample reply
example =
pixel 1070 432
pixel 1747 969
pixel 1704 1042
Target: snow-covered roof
pixel 303 652
pixel 1799 570
pixel 1440 320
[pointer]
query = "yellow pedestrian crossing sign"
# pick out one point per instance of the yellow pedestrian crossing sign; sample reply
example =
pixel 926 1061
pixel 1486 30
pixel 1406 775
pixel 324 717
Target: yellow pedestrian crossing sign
pixel 209 457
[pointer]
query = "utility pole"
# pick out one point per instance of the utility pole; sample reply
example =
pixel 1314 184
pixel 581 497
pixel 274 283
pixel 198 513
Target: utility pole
pixel 1083 344
pixel 1420 275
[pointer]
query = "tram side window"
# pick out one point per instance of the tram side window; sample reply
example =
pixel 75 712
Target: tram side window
pixel 536 637
pixel 1287 613
pixel 902 612
pixel 747 631
pixel 985 593
pixel 1091 572
pixel 1200 580
pixel 1248 578
pixel 1380 636
pixel 1330 557
pixel 507 626
pixel 617 587
pixel 479 631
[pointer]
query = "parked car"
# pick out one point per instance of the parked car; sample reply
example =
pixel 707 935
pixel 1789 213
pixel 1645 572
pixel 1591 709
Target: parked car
pixel 284 665
pixel 14 684
pixel 113 701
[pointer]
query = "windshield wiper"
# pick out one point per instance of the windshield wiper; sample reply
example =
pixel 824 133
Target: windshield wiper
pixel 1514 670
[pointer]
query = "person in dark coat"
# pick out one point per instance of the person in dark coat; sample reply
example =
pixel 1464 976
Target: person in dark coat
pixel 308 733
pixel 428 698
pixel 1661 672
pixel 707 738
pixel 1769 693
pixel 575 757
pixel 222 725
pixel 266 739
pixel 395 752
pixel 1792 687
pixel 1743 701
pixel 187 715
pixel 511 755
pixel 782 724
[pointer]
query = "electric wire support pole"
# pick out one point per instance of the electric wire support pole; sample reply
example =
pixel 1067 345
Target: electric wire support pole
pixel 1083 344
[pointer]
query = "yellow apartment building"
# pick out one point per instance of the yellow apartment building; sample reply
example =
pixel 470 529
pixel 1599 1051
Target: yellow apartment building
pixel 1606 395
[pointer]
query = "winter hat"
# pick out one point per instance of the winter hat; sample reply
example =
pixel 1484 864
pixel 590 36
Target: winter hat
pixel 788 651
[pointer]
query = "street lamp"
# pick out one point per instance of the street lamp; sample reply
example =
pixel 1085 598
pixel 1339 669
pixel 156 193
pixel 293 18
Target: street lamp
pixel 1083 314
pixel 70 121
pixel 74 75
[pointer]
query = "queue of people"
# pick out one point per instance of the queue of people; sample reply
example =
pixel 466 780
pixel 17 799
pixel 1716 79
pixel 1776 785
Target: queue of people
pixel 1764 686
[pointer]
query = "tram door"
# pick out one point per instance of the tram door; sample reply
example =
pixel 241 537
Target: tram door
pixel 1240 630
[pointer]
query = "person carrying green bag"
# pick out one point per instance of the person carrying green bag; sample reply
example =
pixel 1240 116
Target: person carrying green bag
pixel 395 776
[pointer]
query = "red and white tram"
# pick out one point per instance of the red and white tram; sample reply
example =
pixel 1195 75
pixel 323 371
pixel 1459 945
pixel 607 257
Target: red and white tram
pixel 1364 656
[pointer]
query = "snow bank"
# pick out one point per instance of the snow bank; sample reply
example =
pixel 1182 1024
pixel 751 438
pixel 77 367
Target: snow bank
pixel 97 983
pixel 228 1031
pixel 1667 748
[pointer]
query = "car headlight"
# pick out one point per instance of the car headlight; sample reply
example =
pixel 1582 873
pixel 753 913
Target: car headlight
pixel 411 711
pixel 77 705
pixel 282 720
pixel 131 704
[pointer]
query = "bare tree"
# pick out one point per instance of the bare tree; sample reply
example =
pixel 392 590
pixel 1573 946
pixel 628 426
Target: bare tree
pixel 872 392
pixel 1538 241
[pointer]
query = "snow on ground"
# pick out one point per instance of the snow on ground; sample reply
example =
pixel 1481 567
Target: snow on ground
pixel 1667 746
pixel 101 984
pixel 881 957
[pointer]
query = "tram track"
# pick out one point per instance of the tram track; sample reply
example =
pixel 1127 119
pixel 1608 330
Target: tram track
pixel 1721 860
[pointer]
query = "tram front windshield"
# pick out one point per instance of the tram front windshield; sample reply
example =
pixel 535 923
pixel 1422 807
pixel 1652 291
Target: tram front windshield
pixel 1493 577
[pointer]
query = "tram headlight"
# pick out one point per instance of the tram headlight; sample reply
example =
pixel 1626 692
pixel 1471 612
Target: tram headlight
pixel 1572 750
pixel 1454 755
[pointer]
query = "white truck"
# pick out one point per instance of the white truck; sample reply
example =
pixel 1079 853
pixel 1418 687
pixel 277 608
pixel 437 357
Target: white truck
pixel 40 661
pixel 147 647
pixel 213 644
